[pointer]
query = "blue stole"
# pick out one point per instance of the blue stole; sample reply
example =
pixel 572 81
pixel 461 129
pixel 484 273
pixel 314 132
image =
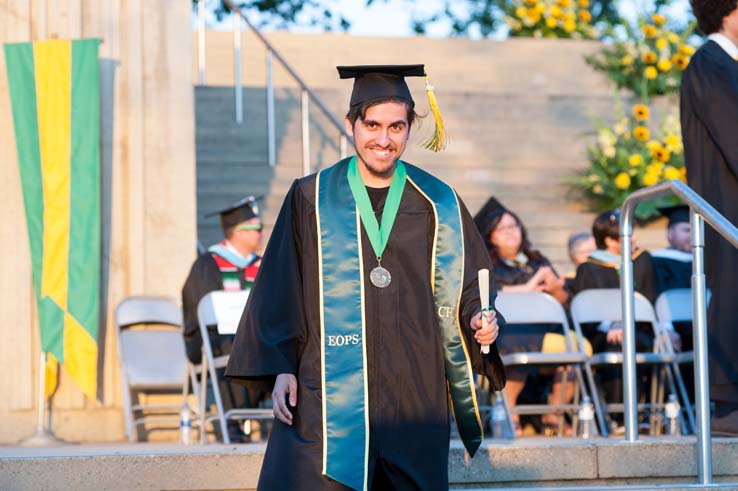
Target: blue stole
pixel 343 323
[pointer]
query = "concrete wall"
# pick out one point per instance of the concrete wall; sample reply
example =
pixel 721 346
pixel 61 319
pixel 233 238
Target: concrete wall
pixel 149 164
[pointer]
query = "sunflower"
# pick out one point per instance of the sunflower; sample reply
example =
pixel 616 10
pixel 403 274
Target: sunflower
pixel 640 112
pixel 661 154
pixel 627 60
pixel 622 181
pixel 585 16
pixel 641 133
pixel 671 173
pixel 649 31
pixel 550 22
pixel 635 160
pixel 664 65
pixel 658 19
pixel 555 11
pixel 520 12
pixel 649 58
pixel 683 174
pixel 650 178
pixel 661 43
pixel 686 49
pixel 583 4
pixel 673 38
pixel 651 72
pixel 564 3
pixel 569 25
pixel 680 61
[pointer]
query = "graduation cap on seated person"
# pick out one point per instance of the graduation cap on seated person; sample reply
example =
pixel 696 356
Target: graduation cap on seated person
pixel 491 209
pixel 377 82
pixel 676 214
pixel 239 212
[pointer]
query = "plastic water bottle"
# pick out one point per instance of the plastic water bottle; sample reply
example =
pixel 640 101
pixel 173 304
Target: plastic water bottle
pixel 672 411
pixel 586 419
pixel 185 425
pixel 499 420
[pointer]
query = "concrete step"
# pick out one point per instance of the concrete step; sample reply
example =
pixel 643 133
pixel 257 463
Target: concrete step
pixel 525 463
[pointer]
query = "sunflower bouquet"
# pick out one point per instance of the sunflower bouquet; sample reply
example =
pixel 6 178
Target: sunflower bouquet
pixel 629 155
pixel 549 18
pixel 650 61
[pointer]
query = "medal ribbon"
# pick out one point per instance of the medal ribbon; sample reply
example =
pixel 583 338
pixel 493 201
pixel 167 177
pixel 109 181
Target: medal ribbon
pixel 378 235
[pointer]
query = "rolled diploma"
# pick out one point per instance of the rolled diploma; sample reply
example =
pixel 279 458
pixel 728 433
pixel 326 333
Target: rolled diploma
pixel 484 299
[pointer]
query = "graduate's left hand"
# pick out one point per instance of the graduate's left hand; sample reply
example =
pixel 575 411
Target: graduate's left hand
pixel 485 335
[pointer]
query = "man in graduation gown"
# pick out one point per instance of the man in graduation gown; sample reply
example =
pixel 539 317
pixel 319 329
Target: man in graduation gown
pixel 709 115
pixel 602 270
pixel 230 265
pixel 367 329
pixel 673 265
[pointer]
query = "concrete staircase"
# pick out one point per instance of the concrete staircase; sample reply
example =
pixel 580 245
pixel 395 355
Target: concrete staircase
pixel 518 124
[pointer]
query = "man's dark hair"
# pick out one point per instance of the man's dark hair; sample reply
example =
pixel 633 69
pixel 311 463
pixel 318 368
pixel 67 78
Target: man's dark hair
pixel 358 111
pixel 710 13
pixel 607 224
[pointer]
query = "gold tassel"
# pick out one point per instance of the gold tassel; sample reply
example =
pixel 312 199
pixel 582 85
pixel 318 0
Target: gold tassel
pixel 438 140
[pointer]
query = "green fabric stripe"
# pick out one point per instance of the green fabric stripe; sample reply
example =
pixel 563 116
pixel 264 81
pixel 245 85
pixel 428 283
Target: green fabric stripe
pixel 22 85
pixel 84 229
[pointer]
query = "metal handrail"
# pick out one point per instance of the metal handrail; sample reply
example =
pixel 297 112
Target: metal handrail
pixel 700 211
pixel 307 94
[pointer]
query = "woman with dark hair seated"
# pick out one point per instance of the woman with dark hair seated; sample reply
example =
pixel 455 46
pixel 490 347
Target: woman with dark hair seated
pixel 518 268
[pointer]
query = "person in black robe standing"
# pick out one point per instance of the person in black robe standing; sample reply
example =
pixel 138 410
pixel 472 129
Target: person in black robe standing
pixel 709 115
pixel 673 265
pixel 230 265
pixel 400 414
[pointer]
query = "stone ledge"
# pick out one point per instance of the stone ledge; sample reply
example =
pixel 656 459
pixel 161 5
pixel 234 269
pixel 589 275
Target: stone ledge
pixel 529 463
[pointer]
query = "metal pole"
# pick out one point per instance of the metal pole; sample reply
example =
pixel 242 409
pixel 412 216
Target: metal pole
pixel 201 40
pixel 628 298
pixel 343 145
pixel 305 132
pixel 237 66
pixel 42 437
pixel 699 333
pixel 271 134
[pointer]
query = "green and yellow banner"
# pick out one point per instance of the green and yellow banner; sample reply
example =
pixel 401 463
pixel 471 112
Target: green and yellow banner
pixel 55 96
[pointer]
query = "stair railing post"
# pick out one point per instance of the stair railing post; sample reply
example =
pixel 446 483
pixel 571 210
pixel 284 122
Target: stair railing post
pixel 699 334
pixel 201 41
pixel 271 136
pixel 630 397
pixel 305 113
pixel 237 66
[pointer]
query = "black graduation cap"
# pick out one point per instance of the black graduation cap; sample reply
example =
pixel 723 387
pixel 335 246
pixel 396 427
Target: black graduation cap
pixel 492 208
pixel 232 215
pixel 375 82
pixel 676 214
pixel 380 81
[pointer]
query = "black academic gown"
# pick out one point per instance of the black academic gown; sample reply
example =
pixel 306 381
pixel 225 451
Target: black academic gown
pixel 709 117
pixel 205 277
pixel 673 273
pixel 407 395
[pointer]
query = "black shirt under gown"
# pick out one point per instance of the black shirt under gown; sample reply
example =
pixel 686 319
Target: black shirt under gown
pixel 407 394
pixel 709 117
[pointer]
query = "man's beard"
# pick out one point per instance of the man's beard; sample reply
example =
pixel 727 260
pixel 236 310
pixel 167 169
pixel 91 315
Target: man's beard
pixel 374 172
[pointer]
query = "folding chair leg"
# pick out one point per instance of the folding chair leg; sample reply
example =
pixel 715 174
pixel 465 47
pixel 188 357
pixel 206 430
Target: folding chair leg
pixel 219 404
pixel 596 399
pixel 687 404
pixel 508 412
pixel 130 427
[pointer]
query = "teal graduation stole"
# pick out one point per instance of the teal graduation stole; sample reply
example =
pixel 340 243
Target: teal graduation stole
pixel 342 319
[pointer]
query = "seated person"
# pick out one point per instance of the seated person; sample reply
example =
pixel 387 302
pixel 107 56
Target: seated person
pixel 580 245
pixel 518 267
pixel 602 270
pixel 230 265
pixel 673 265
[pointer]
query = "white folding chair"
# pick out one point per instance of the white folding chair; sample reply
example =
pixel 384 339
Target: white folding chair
pixel 526 308
pixel 208 315
pixel 605 304
pixel 151 356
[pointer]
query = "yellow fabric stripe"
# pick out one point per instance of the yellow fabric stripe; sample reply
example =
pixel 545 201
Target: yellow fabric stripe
pixel 322 322
pixel 51 379
pixel 80 356
pixel 53 68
